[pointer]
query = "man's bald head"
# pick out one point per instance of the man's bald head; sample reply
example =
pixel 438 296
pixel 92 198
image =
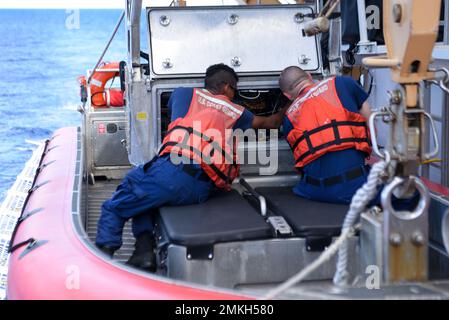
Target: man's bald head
pixel 293 80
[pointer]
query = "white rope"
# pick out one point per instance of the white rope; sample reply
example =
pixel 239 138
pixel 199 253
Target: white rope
pixel 358 204
pixel 323 258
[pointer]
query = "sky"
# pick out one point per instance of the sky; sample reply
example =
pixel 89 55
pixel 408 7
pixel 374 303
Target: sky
pixel 82 4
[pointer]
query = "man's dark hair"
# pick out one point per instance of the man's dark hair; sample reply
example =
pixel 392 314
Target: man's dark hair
pixel 219 75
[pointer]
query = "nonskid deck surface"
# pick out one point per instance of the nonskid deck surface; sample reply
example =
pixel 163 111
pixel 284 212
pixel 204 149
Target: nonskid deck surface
pixel 96 195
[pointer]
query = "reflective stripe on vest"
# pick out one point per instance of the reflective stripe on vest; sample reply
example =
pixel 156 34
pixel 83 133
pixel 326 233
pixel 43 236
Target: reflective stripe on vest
pixel 203 136
pixel 321 124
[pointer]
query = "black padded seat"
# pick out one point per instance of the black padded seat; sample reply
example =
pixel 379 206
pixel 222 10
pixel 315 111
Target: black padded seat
pixel 225 217
pixel 307 218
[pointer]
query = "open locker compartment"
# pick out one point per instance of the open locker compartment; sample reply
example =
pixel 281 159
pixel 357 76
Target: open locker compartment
pixel 261 151
pixel 184 42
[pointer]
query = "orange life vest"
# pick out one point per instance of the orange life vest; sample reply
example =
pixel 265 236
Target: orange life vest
pixel 321 124
pixel 101 97
pixel 205 136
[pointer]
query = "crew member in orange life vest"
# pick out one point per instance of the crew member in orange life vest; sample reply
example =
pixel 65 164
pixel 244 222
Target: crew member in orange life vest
pixel 326 127
pixel 162 182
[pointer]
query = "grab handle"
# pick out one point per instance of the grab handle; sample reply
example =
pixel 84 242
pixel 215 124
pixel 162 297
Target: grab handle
pixel 380 62
pixel 445 230
pixel 372 130
pixel 436 150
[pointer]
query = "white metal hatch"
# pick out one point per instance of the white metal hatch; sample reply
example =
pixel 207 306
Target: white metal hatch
pixel 251 39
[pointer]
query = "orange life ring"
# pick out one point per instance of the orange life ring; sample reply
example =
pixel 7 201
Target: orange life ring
pixel 101 97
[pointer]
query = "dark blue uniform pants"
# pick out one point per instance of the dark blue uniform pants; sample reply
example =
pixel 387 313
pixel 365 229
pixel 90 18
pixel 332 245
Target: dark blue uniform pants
pixel 338 193
pixel 143 191
pixel 343 192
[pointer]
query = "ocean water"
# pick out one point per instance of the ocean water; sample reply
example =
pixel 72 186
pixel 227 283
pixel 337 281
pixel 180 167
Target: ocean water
pixel 42 52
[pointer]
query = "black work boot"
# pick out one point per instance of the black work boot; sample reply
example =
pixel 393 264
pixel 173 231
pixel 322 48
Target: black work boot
pixel 143 256
pixel 109 251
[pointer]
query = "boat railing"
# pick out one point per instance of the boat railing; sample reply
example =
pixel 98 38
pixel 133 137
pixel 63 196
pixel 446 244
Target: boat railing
pixel 107 47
